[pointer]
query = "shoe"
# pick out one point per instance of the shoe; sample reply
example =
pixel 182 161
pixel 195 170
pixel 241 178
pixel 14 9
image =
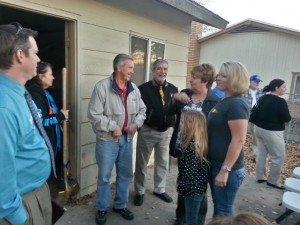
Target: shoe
pixel 125 213
pixel 138 200
pixel 261 181
pixel 178 222
pixel 164 196
pixel 275 186
pixel 101 217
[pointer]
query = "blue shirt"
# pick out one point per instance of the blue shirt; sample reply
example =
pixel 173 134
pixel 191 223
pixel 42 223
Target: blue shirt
pixel 24 156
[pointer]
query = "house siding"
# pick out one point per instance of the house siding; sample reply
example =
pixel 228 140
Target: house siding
pixel 269 54
pixel 102 32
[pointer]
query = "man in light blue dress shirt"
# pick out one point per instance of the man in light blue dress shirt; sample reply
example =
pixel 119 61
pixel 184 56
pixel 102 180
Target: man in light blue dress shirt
pixel 24 156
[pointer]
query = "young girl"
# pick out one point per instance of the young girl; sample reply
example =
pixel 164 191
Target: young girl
pixel 193 166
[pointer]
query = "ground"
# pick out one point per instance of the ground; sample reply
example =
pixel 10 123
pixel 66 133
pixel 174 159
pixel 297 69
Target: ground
pixel 253 197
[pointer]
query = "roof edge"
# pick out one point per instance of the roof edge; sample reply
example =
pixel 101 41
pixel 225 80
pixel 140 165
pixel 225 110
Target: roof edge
pixel 197 12
pixel 251 22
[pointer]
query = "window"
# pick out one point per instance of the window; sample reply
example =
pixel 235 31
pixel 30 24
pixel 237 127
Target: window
pixel 296 86
pixel 144 52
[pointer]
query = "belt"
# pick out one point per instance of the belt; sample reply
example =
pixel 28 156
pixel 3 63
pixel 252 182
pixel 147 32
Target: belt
pixel 159 129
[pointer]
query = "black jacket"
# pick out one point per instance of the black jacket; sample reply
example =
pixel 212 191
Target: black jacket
pixel 40 99
pixel 209 102
pixel 156 114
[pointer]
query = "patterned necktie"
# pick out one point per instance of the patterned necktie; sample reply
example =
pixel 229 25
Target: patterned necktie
pixel 161 92
pixel 38 123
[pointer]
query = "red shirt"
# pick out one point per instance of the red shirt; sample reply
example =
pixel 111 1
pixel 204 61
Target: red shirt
pixel 124 95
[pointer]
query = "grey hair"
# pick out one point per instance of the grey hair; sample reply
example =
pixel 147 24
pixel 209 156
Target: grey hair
pixel 158 62
pixel 120 60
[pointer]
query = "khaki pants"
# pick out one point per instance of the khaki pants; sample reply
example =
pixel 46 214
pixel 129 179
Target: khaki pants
pixel 269 143
pixel 147 140
pixel 38 206
pixel 254 142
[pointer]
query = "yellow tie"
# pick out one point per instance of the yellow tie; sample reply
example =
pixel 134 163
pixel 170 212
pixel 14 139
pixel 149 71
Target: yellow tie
pixel 161 92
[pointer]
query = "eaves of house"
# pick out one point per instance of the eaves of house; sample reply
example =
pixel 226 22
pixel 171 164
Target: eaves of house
pixel 179 13
pixel 250 25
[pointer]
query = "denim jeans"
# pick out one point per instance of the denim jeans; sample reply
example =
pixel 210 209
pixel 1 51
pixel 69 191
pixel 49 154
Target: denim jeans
pixel 195 209
pixel 108 154
pixel 223 197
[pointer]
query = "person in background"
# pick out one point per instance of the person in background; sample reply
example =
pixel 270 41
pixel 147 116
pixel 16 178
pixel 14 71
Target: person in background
pixel 246 218
pixel 269 126
pixel 252 95
pixel 24 156
pixel 218 92
pixel 51 115
pixel 155 133
pixel 116 110
pixel 227 131
pixel 193 166
pixel 199 97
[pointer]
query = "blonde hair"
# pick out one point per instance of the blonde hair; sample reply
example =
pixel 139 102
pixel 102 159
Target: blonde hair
pixel 246 218
pixel 194 128
pixel 205 72
pixel 237 77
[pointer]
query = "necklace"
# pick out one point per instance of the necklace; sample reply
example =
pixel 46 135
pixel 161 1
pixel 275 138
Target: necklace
pixel 198 98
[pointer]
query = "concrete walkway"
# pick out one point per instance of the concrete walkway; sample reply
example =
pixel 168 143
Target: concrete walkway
pixel 253 197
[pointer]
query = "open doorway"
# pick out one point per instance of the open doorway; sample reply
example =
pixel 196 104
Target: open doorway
pixel 53 47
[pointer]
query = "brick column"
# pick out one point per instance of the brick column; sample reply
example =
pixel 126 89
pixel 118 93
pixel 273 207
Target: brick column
pixel 194 49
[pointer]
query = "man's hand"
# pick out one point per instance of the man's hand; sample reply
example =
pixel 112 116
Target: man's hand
pixel 131 128
pixel 117 132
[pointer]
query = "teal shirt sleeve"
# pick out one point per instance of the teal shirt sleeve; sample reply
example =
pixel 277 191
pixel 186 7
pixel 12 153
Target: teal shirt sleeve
pixel 11 207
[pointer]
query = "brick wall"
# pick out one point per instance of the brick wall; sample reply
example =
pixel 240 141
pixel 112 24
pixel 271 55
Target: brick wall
pixel 194 49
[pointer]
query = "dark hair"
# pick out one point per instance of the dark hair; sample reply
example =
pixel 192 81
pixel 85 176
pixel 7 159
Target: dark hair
pixel 158 62
pixel 273 85
pixel 42 67
pixel 120 59
pixel 12 38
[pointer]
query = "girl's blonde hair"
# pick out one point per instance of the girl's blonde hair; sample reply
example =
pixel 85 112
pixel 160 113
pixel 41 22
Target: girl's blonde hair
pixel 246 218
pixel 193 128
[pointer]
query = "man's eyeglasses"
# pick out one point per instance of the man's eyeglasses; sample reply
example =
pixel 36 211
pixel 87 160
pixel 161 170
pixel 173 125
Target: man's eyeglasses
pixel 19 28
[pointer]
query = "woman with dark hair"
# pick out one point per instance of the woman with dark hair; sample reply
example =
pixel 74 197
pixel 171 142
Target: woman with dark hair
pixel 49 112
pixel 271 116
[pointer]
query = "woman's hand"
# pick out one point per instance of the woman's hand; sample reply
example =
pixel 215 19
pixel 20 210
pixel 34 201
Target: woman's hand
pixel 221 179
pixel 181 97
pixel 66 113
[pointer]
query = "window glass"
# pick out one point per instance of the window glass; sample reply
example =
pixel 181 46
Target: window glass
pixel 139 55
pixel 297 88
pixel 157 52
pixel 144 57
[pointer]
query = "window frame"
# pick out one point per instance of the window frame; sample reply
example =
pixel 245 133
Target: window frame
pixel 148 50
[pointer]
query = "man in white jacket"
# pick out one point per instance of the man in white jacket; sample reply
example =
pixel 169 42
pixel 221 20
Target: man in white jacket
pixel 115 111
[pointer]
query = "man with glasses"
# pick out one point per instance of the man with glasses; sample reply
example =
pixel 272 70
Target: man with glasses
pixel 24 156
pixel 252 95
pixel 155 134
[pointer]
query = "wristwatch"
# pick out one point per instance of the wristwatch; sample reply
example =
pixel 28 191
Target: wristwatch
pixel 225 168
